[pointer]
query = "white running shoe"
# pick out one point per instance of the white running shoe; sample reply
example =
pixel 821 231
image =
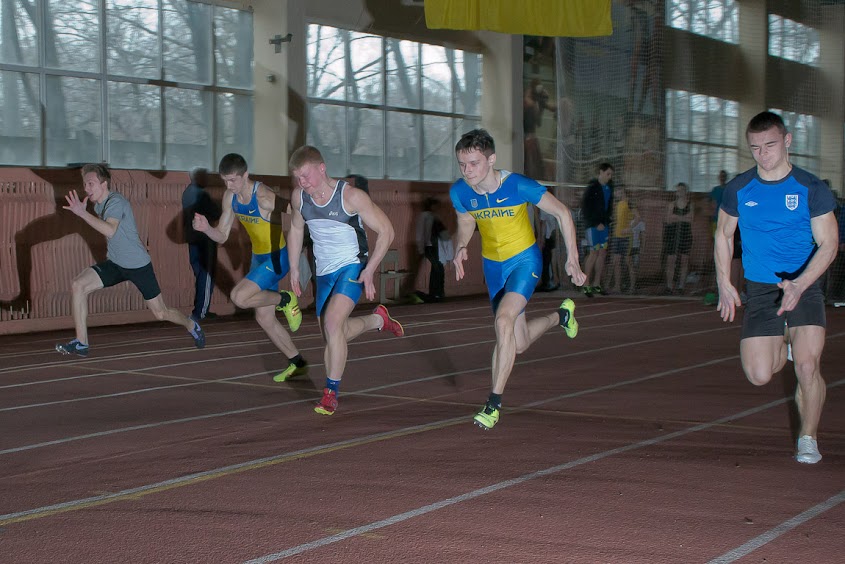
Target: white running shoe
pixel 808 450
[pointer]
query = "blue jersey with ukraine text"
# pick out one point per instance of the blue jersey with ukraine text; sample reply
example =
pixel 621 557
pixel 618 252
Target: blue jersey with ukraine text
pixel 501 216
pixel 774 219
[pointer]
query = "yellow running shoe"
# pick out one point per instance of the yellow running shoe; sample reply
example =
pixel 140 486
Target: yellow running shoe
pixel 291 372
pixel 487 417
pixel 291 310
pixel 571 325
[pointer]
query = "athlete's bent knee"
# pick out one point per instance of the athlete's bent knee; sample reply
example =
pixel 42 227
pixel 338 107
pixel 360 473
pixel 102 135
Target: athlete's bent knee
pixel 758 377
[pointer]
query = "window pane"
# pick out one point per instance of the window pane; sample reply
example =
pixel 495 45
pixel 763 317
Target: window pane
pixel 468 82
pixel 327 132
pixel 438 149
pixel 403 80
pixel 325 66
pixel 73 120
pixel 718 19
pixel 366 70
pixel 234 121
pixel 187 128
pixel 134 126
pixel 187 41
pixel 20 119
pixel 366 142
pixel 677 163
pixel 403 142
pixel 132 38
pixel 437 79
pixel 19 41
pixel 232 53
pixel 74 31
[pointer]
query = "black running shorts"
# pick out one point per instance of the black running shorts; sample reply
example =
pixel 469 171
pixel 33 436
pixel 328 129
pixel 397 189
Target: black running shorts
pixel 761 307
pixel 144 278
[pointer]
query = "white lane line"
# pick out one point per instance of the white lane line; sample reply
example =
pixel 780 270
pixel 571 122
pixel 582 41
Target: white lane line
pixel 262 340
pixel 82 364
pixel 376 389
pixel 407 515
pixel 359 359
pixel 785 527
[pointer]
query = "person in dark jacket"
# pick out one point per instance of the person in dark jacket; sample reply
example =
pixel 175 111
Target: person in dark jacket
pixel 202 251
pixel 596 209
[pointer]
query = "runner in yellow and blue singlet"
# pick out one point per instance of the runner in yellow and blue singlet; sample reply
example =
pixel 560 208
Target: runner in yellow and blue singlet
pixel 511 258
pixel 496 201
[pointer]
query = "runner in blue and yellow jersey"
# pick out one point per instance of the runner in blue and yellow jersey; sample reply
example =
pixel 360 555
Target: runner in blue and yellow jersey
pixel 259 211
pixel 336 214
pixel 496 201
pixel 789 238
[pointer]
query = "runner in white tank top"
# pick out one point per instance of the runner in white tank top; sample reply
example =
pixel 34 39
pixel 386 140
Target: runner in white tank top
pixel 336 214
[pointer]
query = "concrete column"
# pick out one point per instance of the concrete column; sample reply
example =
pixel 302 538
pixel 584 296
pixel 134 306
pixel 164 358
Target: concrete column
pixel 833 72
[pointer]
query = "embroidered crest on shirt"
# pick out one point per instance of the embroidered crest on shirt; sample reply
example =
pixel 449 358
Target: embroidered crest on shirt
pixel 473 202
pixel 792 202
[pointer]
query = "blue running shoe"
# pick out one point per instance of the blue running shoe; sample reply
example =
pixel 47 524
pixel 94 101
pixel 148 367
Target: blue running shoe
pixel 198 335
pixel 73 347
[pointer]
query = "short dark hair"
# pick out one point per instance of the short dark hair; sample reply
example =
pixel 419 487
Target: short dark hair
pixel 360 182
pixel 764 121
pixel 101 170
pixel 684 184
pixel 604 166
pixel 232 163
pixel 477 139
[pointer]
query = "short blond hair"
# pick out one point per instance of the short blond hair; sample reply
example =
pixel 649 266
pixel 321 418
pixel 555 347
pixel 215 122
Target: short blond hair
pixel 305 155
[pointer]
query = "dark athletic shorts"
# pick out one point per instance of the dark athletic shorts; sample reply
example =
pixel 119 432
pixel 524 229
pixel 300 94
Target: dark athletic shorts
pixel 144 278
pixel 761 307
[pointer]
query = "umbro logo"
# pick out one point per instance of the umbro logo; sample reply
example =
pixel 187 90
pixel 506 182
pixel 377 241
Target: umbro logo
pixel 751 203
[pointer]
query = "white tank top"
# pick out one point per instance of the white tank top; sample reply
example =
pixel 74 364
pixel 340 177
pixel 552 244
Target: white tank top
pixel 339 237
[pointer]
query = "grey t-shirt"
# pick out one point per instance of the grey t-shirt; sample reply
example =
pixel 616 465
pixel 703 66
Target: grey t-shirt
pixel 124 248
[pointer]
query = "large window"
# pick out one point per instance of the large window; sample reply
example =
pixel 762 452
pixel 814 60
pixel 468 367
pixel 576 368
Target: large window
pixel 806 138
pixel 794 41
pixel 389 108
pixel 702 136
pixel 153 84
pixel 717 19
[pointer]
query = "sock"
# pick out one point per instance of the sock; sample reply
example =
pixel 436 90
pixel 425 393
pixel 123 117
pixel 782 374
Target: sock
pixel 284 298
pixel 298 361
pixel 495 400
pixel 333 385
pixel 564 316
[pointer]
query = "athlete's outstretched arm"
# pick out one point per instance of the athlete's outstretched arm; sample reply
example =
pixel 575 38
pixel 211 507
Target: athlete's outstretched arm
pixel 555 207
pixel 107 227
pixel 220 233
pixel 358 201
pixel 466 227
pixel 723 248
pixel 296 234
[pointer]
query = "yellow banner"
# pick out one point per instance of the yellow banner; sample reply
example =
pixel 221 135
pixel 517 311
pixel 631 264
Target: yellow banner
pixel 553 18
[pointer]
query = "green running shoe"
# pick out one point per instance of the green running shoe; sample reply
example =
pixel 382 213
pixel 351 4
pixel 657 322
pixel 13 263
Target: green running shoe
pixel 571 325
pixel 487 417
pixel 291 310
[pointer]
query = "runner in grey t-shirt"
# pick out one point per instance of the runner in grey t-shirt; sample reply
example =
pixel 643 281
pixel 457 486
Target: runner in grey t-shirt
pixel 124 247
pixel 127 259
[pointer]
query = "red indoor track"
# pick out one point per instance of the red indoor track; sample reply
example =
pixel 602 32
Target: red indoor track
pixel 638 441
